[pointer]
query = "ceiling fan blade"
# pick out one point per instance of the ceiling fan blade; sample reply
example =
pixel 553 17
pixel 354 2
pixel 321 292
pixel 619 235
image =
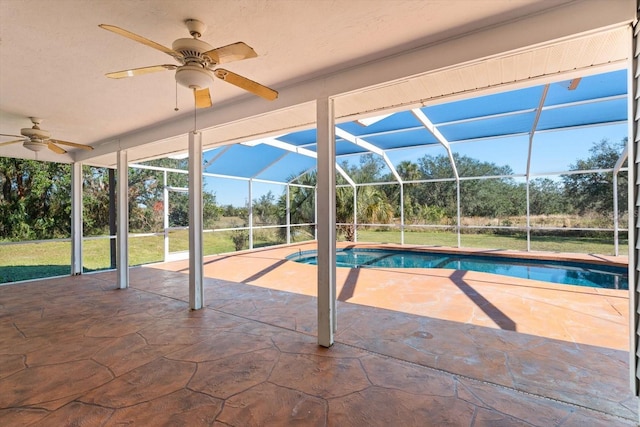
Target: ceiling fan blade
pixel 72 144
pixel 11 142
pixel 53 147
pixel 232 52
pixel 202 97
pixel 140 39
pixel 246 84
pixel 12 136
pixel 139 71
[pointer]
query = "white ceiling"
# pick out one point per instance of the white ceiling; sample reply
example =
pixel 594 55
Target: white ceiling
pixel 53 57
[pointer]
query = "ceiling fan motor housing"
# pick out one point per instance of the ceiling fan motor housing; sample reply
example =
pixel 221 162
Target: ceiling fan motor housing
pixel 194 73
pixel 35 134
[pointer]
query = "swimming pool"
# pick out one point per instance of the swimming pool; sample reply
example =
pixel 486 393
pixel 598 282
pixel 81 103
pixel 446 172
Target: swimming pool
pixel 563 272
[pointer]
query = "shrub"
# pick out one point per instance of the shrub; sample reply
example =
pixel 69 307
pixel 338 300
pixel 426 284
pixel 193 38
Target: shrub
pixel 239 239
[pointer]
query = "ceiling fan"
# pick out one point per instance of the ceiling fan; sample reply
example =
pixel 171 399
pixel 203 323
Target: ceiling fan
pixel 36 139
pixel 197 61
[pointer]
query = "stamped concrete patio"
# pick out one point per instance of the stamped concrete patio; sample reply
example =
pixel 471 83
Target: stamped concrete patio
pixel 420 347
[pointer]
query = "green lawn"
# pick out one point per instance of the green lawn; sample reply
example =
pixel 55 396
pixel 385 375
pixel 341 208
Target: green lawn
pixel 589 245
pixel 36 260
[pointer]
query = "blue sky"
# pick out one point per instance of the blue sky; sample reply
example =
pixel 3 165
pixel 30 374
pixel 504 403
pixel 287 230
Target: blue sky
pixel 508 113
pixel 552 152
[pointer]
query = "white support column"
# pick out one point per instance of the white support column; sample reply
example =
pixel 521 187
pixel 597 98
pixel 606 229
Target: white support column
pixel 528 202
pixel 122 234
pixel 633 111
pixel 250 211
pixel 615 215
pixel 165 214
pixel 355 213
pixel 616 209
pixel 76 219
pixel 401 213
pixel 315 213
pixel 288 214
pixel 459 213
pixel 326 220
pixel 196 278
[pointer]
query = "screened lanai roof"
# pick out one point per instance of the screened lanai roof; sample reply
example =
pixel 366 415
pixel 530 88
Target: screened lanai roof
pixel 593 100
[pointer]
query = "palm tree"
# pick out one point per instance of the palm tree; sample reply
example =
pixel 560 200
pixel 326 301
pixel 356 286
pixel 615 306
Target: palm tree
pixel 373 206
pixel 410 171
pixel 302 204
pixel 344 212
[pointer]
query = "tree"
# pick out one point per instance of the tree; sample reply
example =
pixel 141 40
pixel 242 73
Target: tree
pixel 146 204
pixel 373 202
pixel 265 208
pixel 35 202
pixel 440 194
pixel 374 206
pixel 95 201
pixel 410 171
pixel 493 197
pixel 546 197
pixel 302 204
pixel 593 192
pixel 368 170
pixel 231 211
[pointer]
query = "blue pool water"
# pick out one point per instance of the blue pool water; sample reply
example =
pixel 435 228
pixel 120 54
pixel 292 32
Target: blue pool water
pixel 563 272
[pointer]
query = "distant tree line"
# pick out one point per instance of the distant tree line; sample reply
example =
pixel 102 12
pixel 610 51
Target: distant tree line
pixel 435 202
pixel 35 197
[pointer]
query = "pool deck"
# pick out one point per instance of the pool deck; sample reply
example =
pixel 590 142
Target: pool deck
pixel 415 348
pixel 570 313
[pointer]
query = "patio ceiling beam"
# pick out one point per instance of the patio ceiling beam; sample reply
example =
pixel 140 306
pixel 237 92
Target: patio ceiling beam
pixel 419 114
pixel 370 147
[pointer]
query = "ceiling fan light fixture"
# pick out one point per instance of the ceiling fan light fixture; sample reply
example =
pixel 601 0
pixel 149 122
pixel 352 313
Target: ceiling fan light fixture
pixel 194 77
pixel 35 145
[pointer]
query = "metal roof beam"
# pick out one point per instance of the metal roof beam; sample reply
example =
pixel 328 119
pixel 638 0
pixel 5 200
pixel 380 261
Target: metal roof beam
pixel 531 110
pixel 543 97
pixel 270 164
pixel 304 152
pixel 217 156
pixel 370 147
pixel 419 114
pixel 302 174
pixel 621 159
